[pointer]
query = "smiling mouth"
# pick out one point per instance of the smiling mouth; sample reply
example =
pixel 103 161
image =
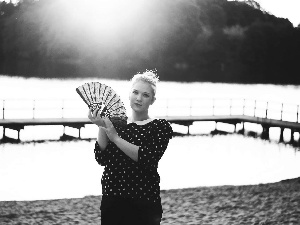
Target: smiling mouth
pixel 137 104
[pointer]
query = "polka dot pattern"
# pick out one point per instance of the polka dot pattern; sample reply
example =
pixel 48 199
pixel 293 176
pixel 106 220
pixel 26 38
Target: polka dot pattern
pixel 124 177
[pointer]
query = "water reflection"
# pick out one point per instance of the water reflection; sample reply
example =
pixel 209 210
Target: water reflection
pixel 228 160
pixel 52 170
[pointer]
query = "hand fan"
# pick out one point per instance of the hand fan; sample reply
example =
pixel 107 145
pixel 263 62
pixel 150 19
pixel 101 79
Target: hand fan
pixel 100 96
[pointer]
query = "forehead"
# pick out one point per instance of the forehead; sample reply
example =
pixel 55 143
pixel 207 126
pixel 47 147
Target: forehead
pixel 142 86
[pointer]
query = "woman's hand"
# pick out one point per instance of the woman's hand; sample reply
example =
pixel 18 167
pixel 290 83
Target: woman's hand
pixel 95 119
pixel 110 130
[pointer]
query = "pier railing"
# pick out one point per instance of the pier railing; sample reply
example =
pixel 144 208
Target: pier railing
pixel 72 108
pixel 41 108
pixel 232 106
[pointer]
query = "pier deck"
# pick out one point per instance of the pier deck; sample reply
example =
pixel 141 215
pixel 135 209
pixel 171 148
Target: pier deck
pixel 266 123
pixel 184 120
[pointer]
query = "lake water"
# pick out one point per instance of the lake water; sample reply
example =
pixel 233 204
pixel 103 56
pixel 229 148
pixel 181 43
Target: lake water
pixel 54 169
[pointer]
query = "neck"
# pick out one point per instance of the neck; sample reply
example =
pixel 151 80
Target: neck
pixel 139 116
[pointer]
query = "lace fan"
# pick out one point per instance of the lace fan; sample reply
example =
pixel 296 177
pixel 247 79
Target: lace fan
pixel 100 96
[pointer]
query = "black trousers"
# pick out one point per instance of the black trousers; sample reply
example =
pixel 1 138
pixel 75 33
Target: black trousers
pixel 123 211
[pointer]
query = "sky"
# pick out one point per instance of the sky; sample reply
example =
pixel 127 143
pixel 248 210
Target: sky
pixel 280 8
pixel 289 9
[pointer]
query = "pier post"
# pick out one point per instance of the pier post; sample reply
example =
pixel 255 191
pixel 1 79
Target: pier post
pixel 281 134
pixel 242 131
pixel 292 136
pixel 3 109
pixel 62 109
pixel 254 108
pixel 267 110
pixel 9 139
pixel 33 109
pixel 281 111
pixel 70 137
pixel 213 106
pixel 297 113
pixel 230 108
pixel 265 133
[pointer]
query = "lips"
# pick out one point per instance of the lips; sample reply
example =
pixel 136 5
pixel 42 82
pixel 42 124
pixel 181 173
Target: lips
pixel 138 104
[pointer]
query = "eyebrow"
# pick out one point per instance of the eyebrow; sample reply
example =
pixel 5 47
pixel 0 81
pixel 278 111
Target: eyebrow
pixel 145 92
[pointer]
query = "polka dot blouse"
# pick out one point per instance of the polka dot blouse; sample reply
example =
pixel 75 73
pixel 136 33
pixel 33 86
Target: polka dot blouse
pixel 123 176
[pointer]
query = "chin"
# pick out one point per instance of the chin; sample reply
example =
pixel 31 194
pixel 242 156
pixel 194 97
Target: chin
pixel 138 110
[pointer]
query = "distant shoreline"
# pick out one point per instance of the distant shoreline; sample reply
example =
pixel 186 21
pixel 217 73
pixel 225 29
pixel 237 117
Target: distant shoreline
pixel 161 78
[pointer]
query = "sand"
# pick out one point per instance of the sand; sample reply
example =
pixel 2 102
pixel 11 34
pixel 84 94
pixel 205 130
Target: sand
pixel 276 203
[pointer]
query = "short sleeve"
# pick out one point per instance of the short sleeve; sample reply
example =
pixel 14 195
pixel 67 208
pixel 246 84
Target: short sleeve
pixel 100 155
pixel 153 149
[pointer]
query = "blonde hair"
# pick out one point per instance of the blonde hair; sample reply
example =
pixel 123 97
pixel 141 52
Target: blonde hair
pixel 149 76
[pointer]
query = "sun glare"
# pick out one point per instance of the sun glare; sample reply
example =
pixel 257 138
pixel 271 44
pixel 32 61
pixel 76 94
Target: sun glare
pixel 104 16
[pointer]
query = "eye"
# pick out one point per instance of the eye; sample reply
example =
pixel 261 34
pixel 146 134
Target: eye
pixel 135 92
pixel 146 95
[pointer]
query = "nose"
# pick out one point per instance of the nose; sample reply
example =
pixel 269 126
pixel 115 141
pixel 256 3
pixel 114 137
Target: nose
pixel 139 97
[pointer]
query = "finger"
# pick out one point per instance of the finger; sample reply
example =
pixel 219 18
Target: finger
pixel 90 114
pixel 95 112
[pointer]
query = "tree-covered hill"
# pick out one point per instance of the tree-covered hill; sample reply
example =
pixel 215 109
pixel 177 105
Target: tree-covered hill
pixel 185 40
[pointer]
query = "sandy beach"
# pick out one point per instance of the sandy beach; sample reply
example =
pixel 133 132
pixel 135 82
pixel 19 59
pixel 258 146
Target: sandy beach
pixel 276 203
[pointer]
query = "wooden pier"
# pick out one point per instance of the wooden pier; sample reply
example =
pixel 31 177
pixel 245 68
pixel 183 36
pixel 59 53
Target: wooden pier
pixel 186 120
pixel 78 123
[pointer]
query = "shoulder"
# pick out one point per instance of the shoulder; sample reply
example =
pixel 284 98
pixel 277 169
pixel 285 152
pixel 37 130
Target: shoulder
pixel 160 122
pixel 162 125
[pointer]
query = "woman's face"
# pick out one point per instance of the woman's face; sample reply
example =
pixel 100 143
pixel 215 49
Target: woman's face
pixel 141 96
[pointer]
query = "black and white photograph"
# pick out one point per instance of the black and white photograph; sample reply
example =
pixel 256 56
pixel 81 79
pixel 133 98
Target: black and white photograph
pixel 150 112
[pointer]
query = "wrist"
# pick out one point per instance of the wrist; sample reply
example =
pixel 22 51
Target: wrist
pixel 99 123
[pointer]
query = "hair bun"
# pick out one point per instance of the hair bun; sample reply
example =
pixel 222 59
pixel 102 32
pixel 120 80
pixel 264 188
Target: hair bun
pixel 152 74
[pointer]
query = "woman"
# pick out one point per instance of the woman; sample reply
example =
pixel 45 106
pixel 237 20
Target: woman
pixel 130 181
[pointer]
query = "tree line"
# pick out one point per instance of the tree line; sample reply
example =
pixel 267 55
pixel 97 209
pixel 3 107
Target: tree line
pixel 195 40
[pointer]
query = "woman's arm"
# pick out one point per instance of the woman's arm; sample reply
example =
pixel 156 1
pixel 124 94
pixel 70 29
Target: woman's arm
pixel 102 138
pixel 149 153
pixel 129 149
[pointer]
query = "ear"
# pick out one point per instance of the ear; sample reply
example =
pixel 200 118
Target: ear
pixel 153 100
